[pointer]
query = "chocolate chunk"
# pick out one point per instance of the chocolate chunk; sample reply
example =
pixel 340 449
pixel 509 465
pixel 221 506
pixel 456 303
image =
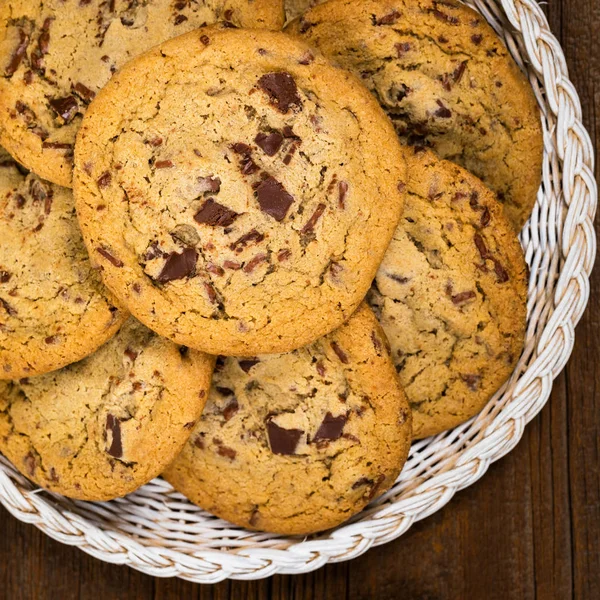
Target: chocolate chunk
pixel 109 257
pixel 153 251
pixel 340 353
pixel 485 217
pixel 205 40
pixel 179 19
pixel 11 311
pixel 211 292
pixel 113 426
pixel 247 364
pixel 321 368
pixel 401 49
pixel 65 108
pixel 18 53
pixel 5 276
pixel 443 111
pixel 269 142
pixel 178 266
pixel 273 198
pixel 163 164
pixel 398 278
pixel 282 90
pixel 226 452
pixel 331 427
pixel 282 441
pixel 438 14
pixel 310 224
pixel 52 339
pixel 184 351
pixel 131 354
pixel 388 19
pixel 462 297
pixel 209 184
pixel 476 38
pixel 307 58
pixel 459 71
pixel 287 159
pixel 231 409
pixel 257 260
pixel 342 193
pixel 104 180
pixel 84 92
pixel 501 274
pixel 284 254
pixel 241 148
pixel 472 381
pixel 30 464
pixel 230 264
pixel 246 239
pixel 212 213
pixel 215 269
pixel 225 391
pixel 373 485
pixel 248 166
pixel 376 341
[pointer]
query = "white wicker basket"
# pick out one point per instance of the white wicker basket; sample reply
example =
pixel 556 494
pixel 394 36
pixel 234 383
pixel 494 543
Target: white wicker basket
pixel 158 532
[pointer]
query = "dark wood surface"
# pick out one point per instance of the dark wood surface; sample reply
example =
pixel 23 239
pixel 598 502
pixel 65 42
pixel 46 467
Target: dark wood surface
pixel 530 528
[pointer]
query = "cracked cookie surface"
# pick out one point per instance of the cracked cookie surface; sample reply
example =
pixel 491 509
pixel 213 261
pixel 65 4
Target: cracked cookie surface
pixel 446 81
pixel 299 442
pixel 55 55
pixel 451 295
pixel 241 199
pixel 54 309
pixel 101 428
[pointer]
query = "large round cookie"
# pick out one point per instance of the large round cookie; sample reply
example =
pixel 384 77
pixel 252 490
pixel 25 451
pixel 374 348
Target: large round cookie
pixel 55 55
pixel 54 309
pixel 239 201
pixel 446 80
pixel 299 442
pixel 451 295
pixel 101 428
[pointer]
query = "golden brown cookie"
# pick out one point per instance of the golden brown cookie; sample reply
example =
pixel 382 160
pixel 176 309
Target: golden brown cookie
pixel 240 200
pixel 54 309
pixel 299 442
pixel 451 295
pixel 55 55
pixel 446 81
pixel 101 428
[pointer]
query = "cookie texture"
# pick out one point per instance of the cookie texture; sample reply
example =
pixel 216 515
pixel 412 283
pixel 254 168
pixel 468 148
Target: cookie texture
pixel 55 55
pixel 451 295
pixel 299 442
pixel 101 428
pixel 446 81
pixel 241 199
pixel 54 309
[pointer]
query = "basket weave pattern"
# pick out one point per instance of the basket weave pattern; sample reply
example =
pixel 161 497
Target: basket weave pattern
pixel 160 533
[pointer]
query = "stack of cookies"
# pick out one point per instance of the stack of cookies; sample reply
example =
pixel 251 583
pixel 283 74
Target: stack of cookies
pixel 259 263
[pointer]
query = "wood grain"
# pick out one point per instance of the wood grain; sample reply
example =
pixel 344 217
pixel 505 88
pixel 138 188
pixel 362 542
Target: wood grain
pixel 529 529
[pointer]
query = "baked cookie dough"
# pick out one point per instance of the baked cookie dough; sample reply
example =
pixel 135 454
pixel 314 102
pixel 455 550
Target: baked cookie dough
pixel 54 309
pixel 101 428
pixel 296 443
pixel 55 55
pixel 451 295
pixel 237 191
pixel 446 81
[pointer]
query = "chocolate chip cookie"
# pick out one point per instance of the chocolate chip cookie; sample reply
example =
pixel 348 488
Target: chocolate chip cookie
pixel 54 309
pixel 55 55
pixel 446 81
pixel 101 428
pixel 299 442
pixel 241 199
pixel 451 295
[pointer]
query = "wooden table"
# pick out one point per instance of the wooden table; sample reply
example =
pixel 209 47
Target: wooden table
pixel 529 529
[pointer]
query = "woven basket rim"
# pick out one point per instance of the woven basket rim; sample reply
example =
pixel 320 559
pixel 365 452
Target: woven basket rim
pixel 560 247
